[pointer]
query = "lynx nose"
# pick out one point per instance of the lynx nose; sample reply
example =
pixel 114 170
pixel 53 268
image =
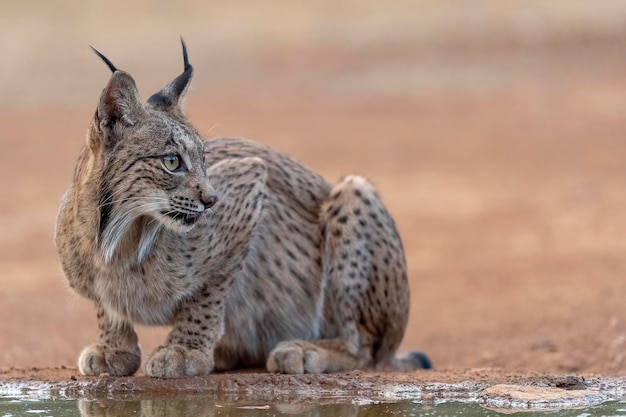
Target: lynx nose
pixel 206 194
pixel 209 201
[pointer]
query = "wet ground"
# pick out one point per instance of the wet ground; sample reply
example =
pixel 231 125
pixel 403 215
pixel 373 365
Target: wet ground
pixel 62 392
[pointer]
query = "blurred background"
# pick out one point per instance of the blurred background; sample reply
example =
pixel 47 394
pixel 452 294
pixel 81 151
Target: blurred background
pixel 495 132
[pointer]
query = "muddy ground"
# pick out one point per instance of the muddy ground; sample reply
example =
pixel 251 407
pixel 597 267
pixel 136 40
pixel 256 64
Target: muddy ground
pixel 497 141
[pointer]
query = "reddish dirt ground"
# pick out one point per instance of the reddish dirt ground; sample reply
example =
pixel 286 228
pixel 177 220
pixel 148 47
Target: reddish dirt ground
pixel 506 173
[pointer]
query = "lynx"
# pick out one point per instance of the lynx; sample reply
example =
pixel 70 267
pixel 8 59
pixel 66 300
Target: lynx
pixel 253 259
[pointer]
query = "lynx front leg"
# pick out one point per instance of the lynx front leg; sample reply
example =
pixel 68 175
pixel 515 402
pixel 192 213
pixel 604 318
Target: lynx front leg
pixel 199 324
pixel 366 292
pixel 189 348
pixel 116 352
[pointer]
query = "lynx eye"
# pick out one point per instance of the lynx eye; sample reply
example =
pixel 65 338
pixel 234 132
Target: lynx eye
pixel 172 163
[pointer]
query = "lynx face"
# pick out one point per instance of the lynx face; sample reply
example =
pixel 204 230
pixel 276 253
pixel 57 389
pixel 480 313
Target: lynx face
pixel 153 173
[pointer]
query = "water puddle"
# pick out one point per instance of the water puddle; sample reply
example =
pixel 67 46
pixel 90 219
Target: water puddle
pixel 203 407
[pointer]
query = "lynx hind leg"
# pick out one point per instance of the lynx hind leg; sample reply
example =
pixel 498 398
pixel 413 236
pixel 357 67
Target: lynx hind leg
pixel 366 295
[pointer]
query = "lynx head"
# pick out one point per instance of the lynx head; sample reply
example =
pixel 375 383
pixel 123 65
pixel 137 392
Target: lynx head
pixel 150 160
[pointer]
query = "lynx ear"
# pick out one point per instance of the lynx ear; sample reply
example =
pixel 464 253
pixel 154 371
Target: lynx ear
pixel 170 96
pixel 119 102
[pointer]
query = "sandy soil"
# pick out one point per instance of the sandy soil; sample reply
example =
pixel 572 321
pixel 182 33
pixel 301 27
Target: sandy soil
pixel 502 160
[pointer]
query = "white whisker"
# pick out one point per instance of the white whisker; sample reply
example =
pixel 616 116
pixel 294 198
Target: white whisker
pixel 129 199
pixel 125 211
pixel 209 130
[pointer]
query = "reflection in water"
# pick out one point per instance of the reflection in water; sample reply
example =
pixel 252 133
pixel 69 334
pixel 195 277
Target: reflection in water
pixel 204 407
pixel 198 407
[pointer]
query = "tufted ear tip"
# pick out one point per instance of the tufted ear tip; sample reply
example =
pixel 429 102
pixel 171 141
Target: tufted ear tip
pixel 169 97
pixel 185 56
pixel 105 59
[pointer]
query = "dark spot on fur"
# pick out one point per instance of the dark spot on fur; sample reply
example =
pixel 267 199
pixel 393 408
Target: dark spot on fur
pixel 301 250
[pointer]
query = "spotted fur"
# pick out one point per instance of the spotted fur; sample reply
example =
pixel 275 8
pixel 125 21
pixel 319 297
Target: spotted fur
pixel 251 257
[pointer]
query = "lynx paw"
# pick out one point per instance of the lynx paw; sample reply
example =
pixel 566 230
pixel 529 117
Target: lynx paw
pixel 296 358
pixel 177 361
pixel 99 359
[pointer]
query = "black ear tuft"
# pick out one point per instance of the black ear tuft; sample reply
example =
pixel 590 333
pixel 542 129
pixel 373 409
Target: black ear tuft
pixel 169 97
pixel 185 56
pixel 105 59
